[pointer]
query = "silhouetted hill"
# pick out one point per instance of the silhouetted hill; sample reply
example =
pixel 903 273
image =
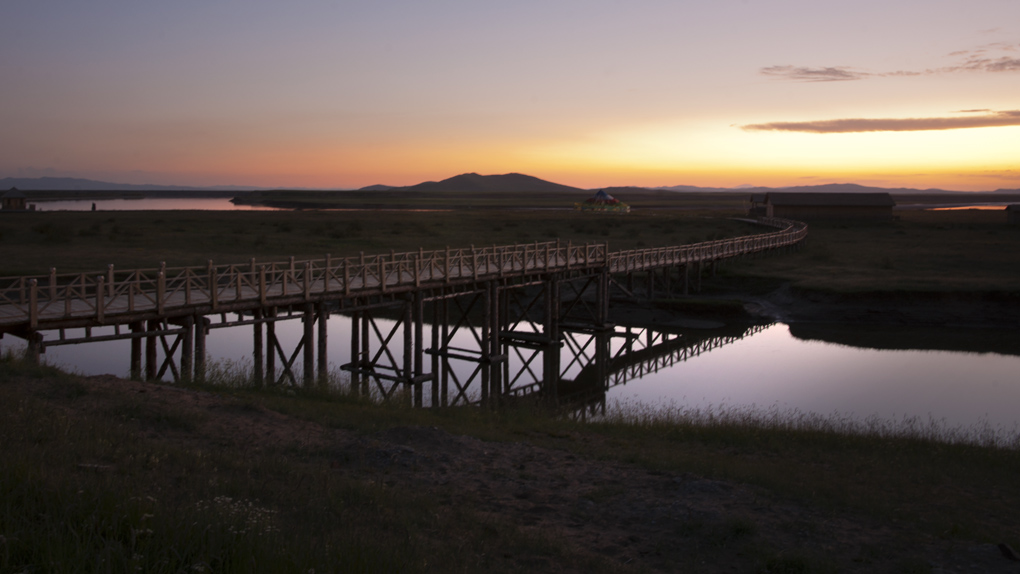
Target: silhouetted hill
pixel 377 187
pixel 510 182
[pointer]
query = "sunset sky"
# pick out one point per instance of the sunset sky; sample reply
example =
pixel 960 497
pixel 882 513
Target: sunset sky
pixel 342 94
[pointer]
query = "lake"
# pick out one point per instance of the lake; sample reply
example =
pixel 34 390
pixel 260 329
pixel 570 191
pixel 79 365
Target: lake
pixel 147 204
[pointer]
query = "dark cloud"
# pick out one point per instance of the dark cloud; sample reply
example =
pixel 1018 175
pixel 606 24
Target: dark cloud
pixel 976 60
pixel 803 74
pixel 987 119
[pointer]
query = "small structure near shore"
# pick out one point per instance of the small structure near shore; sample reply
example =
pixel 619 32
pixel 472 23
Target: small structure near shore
pixel 805 206
pixel 758 208
pixel 602 202
pixel 13 200
pixel 1013 214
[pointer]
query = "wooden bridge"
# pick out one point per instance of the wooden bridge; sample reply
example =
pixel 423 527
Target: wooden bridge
pixel 484 286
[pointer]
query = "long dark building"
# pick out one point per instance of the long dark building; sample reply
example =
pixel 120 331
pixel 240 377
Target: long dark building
pixel 807 206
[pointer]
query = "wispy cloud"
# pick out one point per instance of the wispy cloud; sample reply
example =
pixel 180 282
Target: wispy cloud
pixel 804 74
pixel 988 58
pixel 853 125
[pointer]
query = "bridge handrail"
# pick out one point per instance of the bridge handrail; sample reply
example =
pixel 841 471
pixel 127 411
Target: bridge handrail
pixel 113 291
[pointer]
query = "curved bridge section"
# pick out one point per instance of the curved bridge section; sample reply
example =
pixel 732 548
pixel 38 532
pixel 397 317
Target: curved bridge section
pixel 489 291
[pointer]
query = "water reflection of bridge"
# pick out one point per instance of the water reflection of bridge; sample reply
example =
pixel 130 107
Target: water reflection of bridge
pixel 588 363
pixel 502 300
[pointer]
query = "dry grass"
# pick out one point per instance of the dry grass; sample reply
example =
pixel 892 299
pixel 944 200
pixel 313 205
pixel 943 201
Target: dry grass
pixel 86 241
pixel 919 251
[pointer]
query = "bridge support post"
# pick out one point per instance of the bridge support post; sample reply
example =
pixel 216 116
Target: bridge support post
pixel 442 347
pixel 602 299
pixel 418 317
pixel 136 351
pixel 435 354
pixel 271 346
pixel 151 366
pixel 355 361
pixel 201 330
pixel 187 349
pixel 34 348
pixel 323 316
pixel 551 356
pixel 408 366
pixel 364 353
pixel 685 278
pixel 308 345
pixel 258 367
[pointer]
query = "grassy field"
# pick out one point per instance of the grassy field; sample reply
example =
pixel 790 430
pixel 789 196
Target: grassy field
pixel 113 479
pixel 82 241
pixel 967 250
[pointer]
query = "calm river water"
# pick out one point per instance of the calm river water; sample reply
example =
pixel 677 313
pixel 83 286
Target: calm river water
pixel 770 369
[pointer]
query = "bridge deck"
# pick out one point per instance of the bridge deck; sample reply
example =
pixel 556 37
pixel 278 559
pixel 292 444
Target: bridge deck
pixel 116 297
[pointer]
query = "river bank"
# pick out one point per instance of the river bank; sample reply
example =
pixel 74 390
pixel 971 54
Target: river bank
pixel 393 489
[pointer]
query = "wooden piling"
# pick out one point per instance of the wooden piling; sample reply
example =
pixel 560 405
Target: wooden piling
pixel 151 366
pixel 323 316
pixel 258 360
pixel 187 349
pixel 307 344
pixel 201 330
pixel 136 351
pixel 271 346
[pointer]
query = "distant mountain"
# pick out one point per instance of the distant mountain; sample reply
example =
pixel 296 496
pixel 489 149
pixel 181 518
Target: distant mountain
pixel 78 184
pixel 506 183
pixel 376 187
pixel 822 188
pixel 696 188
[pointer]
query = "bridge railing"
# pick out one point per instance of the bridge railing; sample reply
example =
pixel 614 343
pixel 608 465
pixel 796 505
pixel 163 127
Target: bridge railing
pixel 53 297
pixel 790 233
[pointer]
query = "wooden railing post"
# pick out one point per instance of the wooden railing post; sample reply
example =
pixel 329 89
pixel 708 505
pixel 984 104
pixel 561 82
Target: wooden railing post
pixel 474 262
pixel 262 285
pixel 213 290
pixel 347 276
pixel 364 271
pixel 109 278
pixel 100 298
pixel 160 291
pixel 33 304
pixel 327 276
pixel 53 284
pixel 308 283
pixel 447 263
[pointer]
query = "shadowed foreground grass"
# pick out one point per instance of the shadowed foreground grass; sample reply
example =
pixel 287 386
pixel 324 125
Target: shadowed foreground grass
pixel 135 488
